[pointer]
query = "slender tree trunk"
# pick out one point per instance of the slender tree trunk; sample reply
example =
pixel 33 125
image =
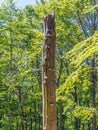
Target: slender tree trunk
pixel 39 118
pixel 61 120
pixel 38 73
pixel 77 121
pixel 1 118
pixel 31 119
pixel 11 76
pixel 61 116
pixel 35 116
pixel 9 118
pixel 57 118
pixel 93 78
pixel 49 97
pixel 23 125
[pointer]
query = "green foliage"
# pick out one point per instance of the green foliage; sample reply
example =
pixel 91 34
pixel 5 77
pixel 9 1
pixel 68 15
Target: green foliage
pixel 83 50
pixel 85 113
pixel 21 42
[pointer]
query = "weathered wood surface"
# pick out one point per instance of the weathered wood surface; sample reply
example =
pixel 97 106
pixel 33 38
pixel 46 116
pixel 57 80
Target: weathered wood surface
pixel 48 85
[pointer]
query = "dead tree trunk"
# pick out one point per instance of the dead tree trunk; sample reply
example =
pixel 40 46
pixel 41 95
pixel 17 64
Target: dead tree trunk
pixel 48 85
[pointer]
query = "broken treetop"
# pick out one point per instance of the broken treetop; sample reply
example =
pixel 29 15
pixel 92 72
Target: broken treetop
pixel 49 24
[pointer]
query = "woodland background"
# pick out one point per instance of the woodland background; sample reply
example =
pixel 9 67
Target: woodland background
pixel 21 43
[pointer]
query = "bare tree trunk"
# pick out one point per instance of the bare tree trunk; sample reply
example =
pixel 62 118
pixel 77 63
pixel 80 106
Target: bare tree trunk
pixel 48 86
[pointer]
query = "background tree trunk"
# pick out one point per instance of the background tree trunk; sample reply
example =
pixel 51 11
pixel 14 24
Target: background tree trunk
pixel 23 125
pixel 93 78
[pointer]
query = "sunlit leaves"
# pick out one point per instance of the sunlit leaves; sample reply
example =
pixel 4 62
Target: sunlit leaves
pixel 84 50
pixel 84 113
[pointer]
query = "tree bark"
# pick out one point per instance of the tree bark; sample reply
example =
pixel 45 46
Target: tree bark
pixel 48 85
